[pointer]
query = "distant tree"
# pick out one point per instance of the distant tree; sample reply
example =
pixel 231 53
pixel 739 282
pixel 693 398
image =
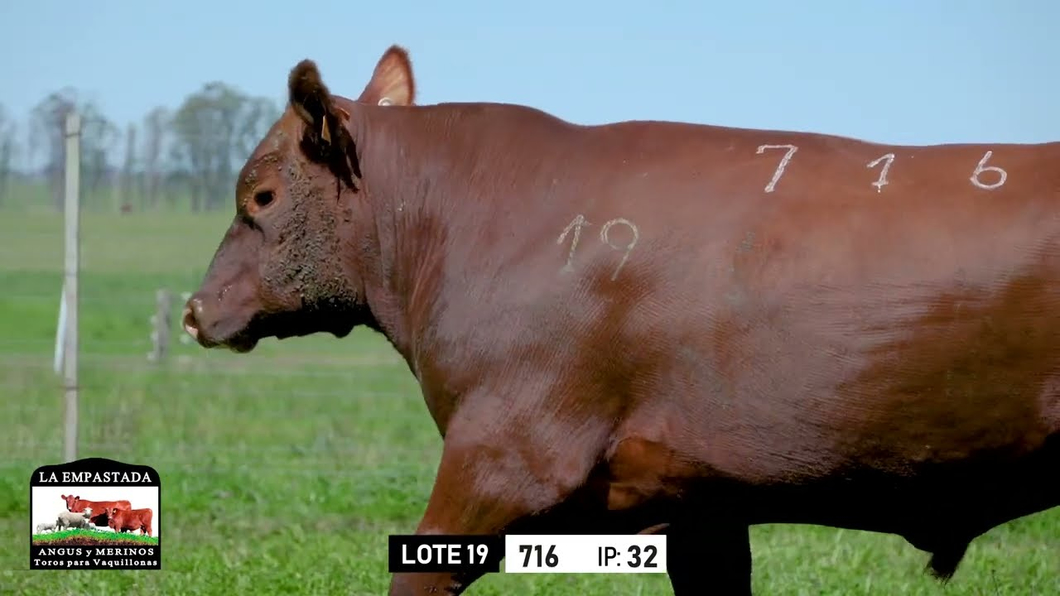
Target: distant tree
pixel 215 129
pixel 156 140
pixel 7 151
pixel 47 124
pixel 98 136
pixel 128 169
pixel 198 147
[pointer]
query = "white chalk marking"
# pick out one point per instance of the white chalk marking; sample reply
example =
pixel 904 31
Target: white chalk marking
pixel 783 162
pixel 576 224
pixel 628 248
pixel 982 167
pixel 882 180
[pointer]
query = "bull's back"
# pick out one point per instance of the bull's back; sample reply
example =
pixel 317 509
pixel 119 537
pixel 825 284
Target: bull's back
pixel 861 305
pixel 813 288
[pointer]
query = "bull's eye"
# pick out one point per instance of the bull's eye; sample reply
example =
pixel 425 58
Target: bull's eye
pixel 263 198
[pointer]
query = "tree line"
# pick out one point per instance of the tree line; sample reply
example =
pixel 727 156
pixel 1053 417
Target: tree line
pixel 173 158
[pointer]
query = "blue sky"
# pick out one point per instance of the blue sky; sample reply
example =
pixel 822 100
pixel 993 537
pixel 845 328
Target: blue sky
pixel 906 71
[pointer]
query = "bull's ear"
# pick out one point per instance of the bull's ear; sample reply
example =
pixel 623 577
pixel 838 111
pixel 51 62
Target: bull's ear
pixel 311 100
pixel 392 82
pixel 326 138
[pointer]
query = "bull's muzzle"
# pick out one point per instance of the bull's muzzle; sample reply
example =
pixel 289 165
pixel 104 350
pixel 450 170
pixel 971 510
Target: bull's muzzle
pixel 190 319
pixel 196 323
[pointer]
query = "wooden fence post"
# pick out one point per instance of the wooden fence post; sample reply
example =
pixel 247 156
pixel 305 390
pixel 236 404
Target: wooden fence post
pixel 184 337
pixel 160 326
pixel 72 269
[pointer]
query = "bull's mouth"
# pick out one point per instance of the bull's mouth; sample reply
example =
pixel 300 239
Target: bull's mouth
pixel 279 325
pixel 303 323
pixel 241 342
pixel 247 338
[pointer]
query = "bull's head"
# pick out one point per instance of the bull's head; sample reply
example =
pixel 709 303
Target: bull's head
pixel 283 267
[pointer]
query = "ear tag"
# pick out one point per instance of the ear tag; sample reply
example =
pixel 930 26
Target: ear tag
pixel 324 132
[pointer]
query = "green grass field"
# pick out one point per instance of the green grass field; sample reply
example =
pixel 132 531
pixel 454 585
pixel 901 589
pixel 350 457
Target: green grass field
pixel 284 470
pixel 103 536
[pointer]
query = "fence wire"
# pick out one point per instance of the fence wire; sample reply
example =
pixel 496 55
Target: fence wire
pixel 299 409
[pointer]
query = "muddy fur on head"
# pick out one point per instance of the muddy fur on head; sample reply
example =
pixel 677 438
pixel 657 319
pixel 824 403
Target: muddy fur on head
pixel 326 139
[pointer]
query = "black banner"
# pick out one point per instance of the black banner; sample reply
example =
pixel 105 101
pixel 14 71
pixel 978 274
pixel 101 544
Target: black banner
pixel 445 553
pixel 95 471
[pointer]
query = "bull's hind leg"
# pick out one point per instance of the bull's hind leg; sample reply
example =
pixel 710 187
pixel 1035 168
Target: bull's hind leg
pixel 709 558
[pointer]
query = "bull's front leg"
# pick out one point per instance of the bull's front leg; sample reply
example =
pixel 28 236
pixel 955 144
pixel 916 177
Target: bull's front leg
pixel 495 475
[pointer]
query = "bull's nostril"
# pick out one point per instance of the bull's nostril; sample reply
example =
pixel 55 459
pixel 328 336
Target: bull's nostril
pixel 191 317
pixel 190 325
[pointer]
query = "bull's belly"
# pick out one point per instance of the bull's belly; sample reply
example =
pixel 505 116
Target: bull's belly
pixel 854 417
pixel 803 391
pixel 655 483
pixel 960 498
pixel 914 405
pixel 955 433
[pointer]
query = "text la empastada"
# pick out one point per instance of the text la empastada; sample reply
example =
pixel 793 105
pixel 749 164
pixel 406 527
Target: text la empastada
pixel 97 477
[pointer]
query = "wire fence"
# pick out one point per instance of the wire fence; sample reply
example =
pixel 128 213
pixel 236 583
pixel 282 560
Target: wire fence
pixel 177 416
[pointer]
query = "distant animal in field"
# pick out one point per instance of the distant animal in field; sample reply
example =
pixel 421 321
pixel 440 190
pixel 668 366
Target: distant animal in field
pixel 45 527
pixel 69 519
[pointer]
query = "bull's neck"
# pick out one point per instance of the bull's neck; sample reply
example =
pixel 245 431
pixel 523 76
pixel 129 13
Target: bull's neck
pixel 401 232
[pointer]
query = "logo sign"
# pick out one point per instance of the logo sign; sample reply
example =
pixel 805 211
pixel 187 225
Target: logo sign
pixel 95 513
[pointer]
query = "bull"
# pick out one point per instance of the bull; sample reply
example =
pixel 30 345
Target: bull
pixel 673 327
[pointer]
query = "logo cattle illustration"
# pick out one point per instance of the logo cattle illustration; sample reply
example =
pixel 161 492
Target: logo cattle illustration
pixel 101 508
pixel 130 520
pixel 669 327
